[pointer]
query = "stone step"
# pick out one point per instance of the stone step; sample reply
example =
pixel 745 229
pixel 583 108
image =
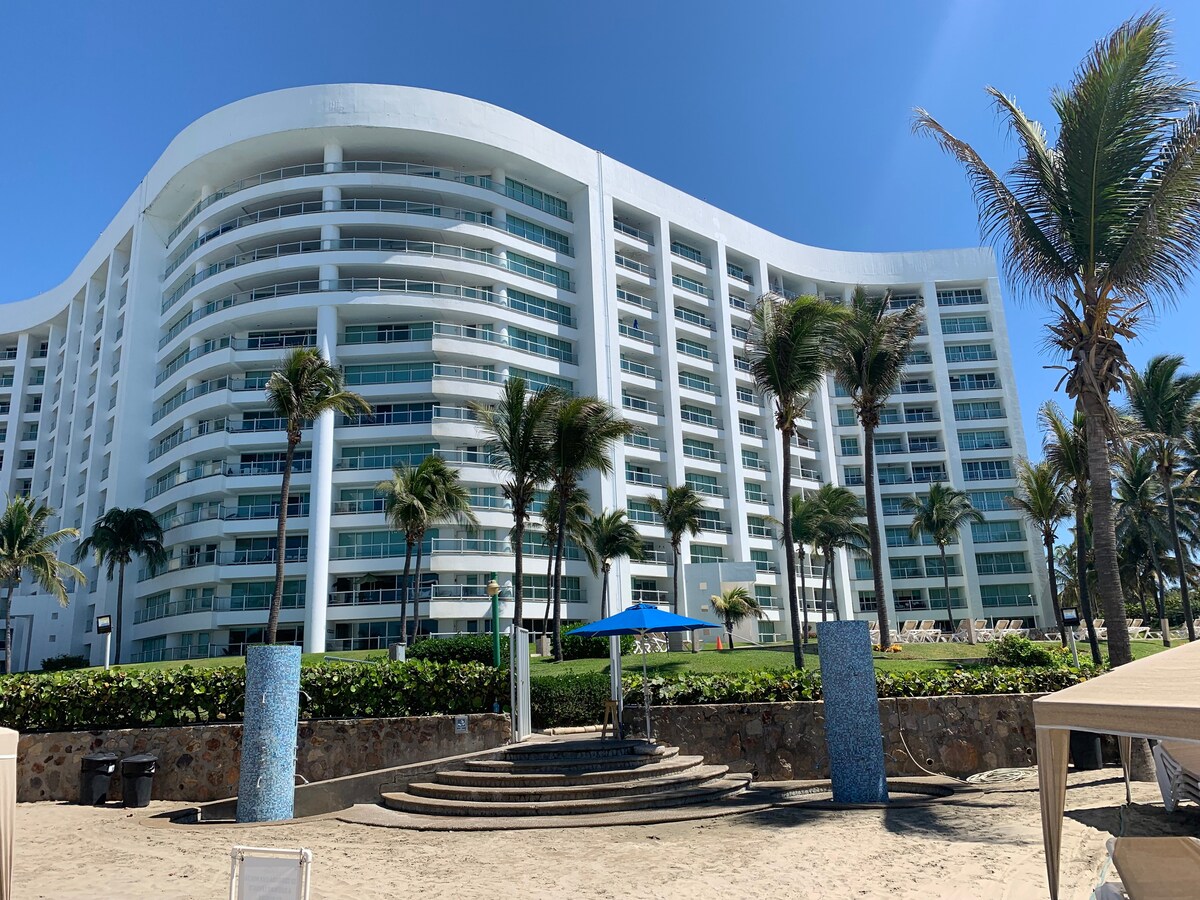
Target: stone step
pixel 587 748
pixel 684 796
pixel 543 778
pixel 660 784
pixel 556 765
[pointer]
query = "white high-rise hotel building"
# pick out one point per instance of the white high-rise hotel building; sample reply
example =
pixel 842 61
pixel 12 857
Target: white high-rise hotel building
pixel 432 246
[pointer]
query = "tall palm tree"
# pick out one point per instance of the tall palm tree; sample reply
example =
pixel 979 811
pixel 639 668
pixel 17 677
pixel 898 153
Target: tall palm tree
pixel 1043 499
pixel 1137 504
pixel 304 386
pixel 734 606
pixel 612 537
pixel 405 507
pixel 806 514
pixel 1065 447
pixel 446 500
pixel 1102 224
pixel 517 429
pixel 788 349
pixel 868 361
pixel 583 432
pixel 1163 405
pixel 26 547
pixel 578 515
pixel 680 511
pixel 941 514
pixel 838 527
pixel 117 537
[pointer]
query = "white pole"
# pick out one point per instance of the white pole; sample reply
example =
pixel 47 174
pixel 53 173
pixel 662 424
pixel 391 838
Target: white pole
pixel 645 689
pixel 1074 652
pixel 108 649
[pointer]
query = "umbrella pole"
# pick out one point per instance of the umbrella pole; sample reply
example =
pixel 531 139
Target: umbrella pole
pixel 646 689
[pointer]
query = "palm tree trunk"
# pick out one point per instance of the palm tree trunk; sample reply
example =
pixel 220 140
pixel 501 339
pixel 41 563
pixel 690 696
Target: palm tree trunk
pixel 604 591
pixel 1160 596
pixel 558 561
pixel 120 612
pixel 8 629
pixel 405 589
pixel 729 630
pixel 946 587
pixel 802 565
pixel 837 613
pixel 549 591
pixel 1104 535
pixel 825 587
pixel 1085 601
pixel 1165 476
pixel 1048 540
pixel 416 593
pixel 885 634
pixel 280 539
pixel 518 540
pixel 789 547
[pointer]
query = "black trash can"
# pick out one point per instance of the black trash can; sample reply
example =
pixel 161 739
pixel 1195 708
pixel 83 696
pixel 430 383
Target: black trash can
pixel 95 772
pixel 137 779
pixel 1085 751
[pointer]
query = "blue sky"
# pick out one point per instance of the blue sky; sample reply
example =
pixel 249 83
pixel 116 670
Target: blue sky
pixel 794 115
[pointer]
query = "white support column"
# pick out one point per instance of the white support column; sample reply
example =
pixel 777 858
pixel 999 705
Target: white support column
pixel 320 500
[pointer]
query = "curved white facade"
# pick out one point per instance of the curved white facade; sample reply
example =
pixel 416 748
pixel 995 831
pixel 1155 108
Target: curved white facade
pixel 433 245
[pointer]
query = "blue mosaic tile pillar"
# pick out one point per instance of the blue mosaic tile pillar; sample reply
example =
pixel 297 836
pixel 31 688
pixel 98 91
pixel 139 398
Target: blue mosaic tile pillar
pixel 267 782
pixel 853 737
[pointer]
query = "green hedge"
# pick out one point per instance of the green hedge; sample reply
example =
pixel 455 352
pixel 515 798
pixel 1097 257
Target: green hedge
pixel 576 646
pixel 186 696
pixel 76 701
pixel 460 648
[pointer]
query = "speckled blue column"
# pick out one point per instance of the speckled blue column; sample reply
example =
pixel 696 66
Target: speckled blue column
pixel 267 783
pixel 853 737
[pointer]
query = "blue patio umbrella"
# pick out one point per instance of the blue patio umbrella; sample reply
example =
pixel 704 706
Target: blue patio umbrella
pixel 641 619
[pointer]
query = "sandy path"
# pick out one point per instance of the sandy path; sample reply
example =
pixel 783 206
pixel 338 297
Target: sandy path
pixel 989 847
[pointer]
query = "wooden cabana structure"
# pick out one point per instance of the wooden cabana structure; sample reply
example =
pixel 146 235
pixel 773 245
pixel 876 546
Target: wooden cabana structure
pixel 1156 697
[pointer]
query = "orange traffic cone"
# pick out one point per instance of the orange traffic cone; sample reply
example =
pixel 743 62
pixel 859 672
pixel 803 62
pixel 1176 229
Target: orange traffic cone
pixel 720 646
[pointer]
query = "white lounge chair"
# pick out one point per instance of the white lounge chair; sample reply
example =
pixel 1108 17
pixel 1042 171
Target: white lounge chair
pixel 1177 766
pixel 904 636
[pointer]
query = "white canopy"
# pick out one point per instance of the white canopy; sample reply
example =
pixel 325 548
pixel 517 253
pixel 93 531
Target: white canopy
pixel 1156 697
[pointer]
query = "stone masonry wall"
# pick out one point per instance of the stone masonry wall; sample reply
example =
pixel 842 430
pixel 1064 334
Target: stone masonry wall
pixel 957 735
pixel 200 763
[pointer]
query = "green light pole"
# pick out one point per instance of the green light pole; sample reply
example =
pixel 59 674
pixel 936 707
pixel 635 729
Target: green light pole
pixel 493 589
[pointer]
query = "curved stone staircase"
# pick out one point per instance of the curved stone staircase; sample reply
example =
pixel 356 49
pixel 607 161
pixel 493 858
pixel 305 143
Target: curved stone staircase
pixel 581 777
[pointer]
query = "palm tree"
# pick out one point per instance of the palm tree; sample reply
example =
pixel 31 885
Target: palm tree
pixel 1137 504
pixel 788 348
pixel 578 515
pixel 941 514
pixel 868 360
pixel 1065 447
pixel 734 606
pixel 584 430
pixel 117 537
pixel 680 511
pixel 26 547
pixel 1044 500
pixel 404 507
pixel 304 386
pixel 1102 224
pixel 806 514
pixel 518 438
pixel 1163 405
pixel 837 528
pixel 433 494
pixel 612 537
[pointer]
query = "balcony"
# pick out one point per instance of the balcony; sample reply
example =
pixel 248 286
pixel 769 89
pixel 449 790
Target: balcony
pixel 632 231
pixel 643 442
pixel 635 368
pixel 693 318
pixel 636 300
pixel 646 479
pixel 640 404
pixel 692 287
pixel 632 265
pixel 637 334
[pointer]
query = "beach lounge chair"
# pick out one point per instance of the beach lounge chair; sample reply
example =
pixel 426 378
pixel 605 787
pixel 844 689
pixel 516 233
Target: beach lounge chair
pixel 1177 766
pixel 905 636
pixel 1017 626
pixel 925 632
pixel 1101 633
pixel 999 627
pixel 961 633
pixel 1137 630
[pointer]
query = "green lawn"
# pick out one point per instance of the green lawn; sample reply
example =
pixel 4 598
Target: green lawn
pixel 744 659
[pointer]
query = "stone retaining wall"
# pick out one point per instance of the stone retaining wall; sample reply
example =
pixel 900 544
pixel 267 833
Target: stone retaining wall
pixel 200 763
pixel 957 735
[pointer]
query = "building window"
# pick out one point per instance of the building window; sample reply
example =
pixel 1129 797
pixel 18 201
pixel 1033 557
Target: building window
pixel 929 474
pixel 539 380
pixel 850 446
pixel 540 307
pixel 862 568
pixel 679 248
pixel 845 416
pixel 531 196
pixel 960 297
pixel 866 602
pixel 974 381
pixel 852 475
pixel 978 409
pixel 1002 532
pixel 703 553
pixel 937 598
pixel 905 567
pixel 987 469
pixel 539 234
pixel 697 415
pixel 994 595
pixel 983 440
pixel 965 324
pixel 933 566
pixel 692 348
pixel 542 345
pixel 956 353
pixel 745 395
pixel 990 501
pixel 1011 563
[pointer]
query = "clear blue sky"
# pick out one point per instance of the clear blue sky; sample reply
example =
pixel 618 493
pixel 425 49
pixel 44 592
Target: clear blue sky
pixel 793 115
